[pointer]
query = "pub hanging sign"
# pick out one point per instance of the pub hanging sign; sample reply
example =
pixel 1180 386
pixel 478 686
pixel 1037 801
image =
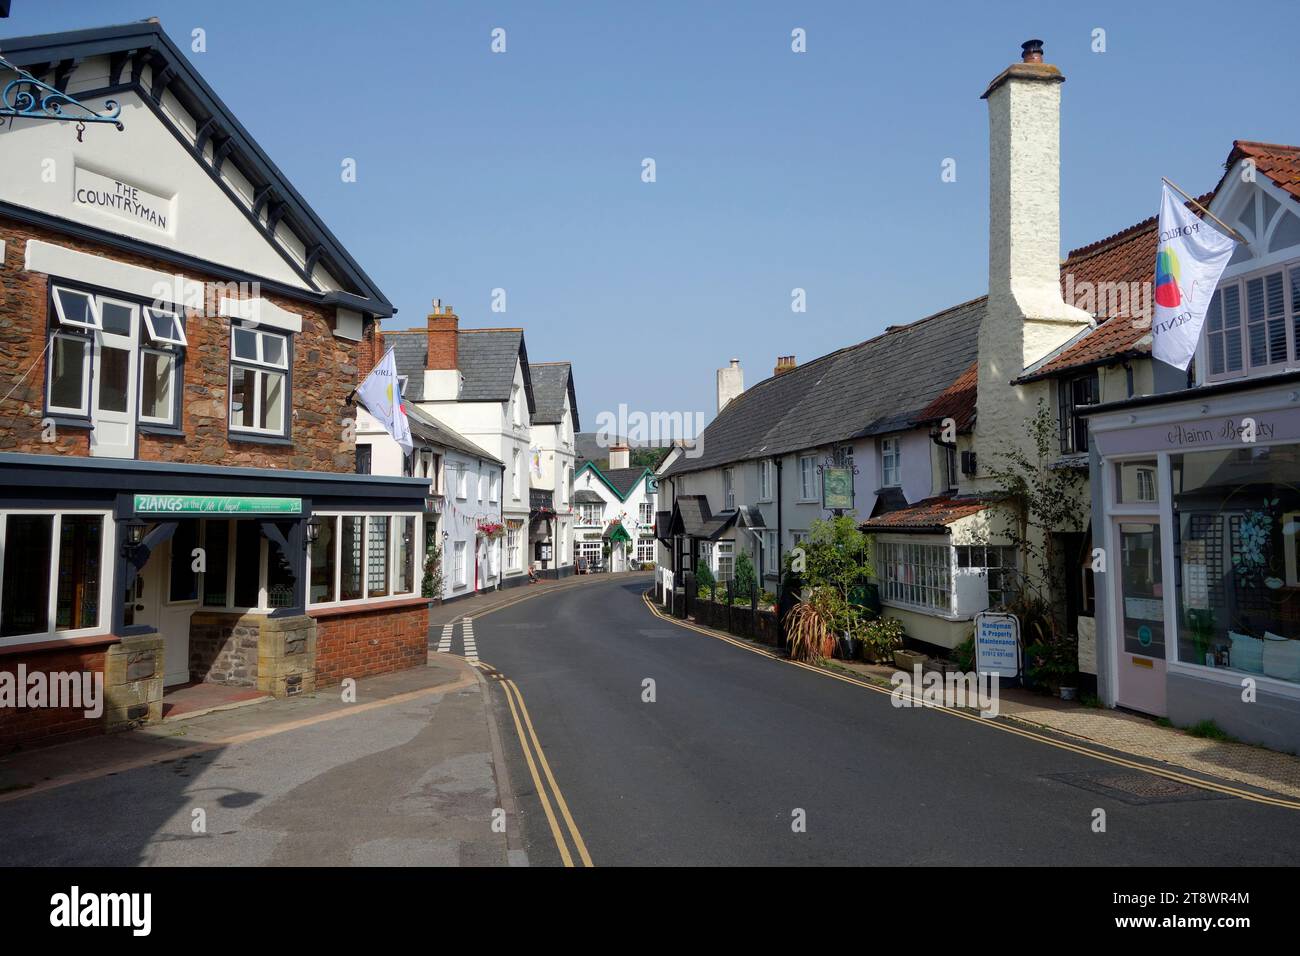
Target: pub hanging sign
pixel 215 505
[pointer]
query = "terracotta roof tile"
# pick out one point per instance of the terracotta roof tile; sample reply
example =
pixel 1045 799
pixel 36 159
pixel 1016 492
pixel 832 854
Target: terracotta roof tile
pixel 1128 257
pixel 927 514
pixel 957 401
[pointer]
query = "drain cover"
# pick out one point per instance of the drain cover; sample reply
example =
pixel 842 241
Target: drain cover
pixel 1136 787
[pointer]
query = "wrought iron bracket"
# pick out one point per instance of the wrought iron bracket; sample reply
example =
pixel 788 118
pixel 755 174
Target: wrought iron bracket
pixel 26 97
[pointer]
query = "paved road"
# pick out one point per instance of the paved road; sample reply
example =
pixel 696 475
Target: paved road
pixel 713 771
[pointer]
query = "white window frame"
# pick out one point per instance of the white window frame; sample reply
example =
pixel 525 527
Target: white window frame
pixel 395 519
pixel 460 563
pixel 927 562
pixel 728 488
pixel 170 418
pixel 515 478
pixel 97 324
pixel 891 460
pixel 646 512
pixel 462 481
pixel 514 549
pixel 724 550
pixel 771 553
pixel 259 364
pixel 765 480
pixel 492 487
pixel 107 565
pixel 149 313
pixel 808 478
pixel 87 367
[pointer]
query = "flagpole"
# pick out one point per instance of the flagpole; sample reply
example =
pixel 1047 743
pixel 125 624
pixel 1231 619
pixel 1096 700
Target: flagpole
pixel 1226 228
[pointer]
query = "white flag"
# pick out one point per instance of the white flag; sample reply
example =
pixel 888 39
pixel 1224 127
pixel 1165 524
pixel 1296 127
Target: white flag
pixel 1190 257
pixel 381 393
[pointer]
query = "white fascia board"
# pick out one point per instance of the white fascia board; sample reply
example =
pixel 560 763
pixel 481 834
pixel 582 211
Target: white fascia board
pixel 261 312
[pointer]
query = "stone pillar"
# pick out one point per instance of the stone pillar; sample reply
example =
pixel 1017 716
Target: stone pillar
pixel 133 682
pixel 286 656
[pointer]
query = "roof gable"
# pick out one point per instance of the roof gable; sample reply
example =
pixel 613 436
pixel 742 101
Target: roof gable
pixel 141 67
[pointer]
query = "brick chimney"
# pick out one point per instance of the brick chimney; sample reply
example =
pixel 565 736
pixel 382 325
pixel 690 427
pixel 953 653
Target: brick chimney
pixel 1026 316
pixel 784 363
pixel 371 349
pixel 731 382
pixel 620 456
pixel 443 325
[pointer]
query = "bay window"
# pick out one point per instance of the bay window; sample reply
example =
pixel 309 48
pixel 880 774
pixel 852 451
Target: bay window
pixel 259 364
pixel 917 575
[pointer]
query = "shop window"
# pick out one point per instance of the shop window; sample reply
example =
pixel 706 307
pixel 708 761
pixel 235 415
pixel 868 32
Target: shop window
pixel 259 363
pixel 183 580
pixel 324 564
pixel 1236 515
pixel 406 554
pixel 38 549
pixel 377 556
pixel 1072 394
pixel 351 570
pixel 248 564
pixel 216 545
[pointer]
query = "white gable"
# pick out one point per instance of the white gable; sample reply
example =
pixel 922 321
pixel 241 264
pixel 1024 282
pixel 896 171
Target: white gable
pixel 140 183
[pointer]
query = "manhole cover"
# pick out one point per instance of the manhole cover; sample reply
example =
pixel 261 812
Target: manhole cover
pixel 1136 787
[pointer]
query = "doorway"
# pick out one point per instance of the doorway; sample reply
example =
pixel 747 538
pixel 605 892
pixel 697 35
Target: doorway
pixel 1140 612
pixel 114 389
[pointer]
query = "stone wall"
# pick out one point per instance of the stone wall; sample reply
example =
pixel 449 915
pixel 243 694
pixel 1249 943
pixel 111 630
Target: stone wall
pixel 224 648
pixel 368 641
pixel 324 372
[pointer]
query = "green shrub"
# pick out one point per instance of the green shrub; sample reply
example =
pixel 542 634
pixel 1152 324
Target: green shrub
pixel 882 636
pixel 746 580
pixel 963 654
pixel 704 577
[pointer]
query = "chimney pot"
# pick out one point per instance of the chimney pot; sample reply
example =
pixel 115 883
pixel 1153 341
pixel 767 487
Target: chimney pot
pixel 1031 51
pixel 443 326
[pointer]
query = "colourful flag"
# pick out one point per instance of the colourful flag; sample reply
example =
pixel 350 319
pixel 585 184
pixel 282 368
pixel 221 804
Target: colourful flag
pixel 1190 257
pixel 381 393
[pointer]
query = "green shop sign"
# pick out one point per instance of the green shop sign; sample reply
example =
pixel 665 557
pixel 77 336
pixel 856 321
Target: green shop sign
pixel 215 505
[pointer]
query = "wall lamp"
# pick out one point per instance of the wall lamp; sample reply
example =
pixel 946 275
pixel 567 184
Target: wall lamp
pixel 313 529
pixel 133 536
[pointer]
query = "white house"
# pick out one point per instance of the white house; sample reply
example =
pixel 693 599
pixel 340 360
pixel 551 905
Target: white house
pixel 615 510
pixel 464 495
pixel 479 383
pixel 551 463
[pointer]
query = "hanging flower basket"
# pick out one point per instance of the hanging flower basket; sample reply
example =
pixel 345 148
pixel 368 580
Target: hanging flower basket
pixel 492 530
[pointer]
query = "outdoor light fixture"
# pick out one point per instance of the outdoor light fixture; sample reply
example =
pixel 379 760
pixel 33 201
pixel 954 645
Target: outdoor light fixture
pixel 132 536
pixel 313 529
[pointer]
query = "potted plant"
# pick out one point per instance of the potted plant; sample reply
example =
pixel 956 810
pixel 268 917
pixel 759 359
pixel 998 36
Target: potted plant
pixel 1054 666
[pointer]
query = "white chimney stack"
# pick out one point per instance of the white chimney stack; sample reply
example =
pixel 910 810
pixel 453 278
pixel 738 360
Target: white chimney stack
pixel 1026 316
pixel 620 456
pixel 731 382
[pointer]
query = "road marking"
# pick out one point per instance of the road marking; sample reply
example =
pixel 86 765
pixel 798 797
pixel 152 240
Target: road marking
pixel 471 649
pixel 448 629
pixel 513 694
pixel 993 723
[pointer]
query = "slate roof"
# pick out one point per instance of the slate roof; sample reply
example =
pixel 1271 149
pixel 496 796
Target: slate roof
pixel 929 514
pixel 486 358
pixel 429 428
pixel 623 480
pixel 585 496
pixel 552 381
pixel 881 385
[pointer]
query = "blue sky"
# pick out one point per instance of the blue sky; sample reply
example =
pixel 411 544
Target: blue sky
pixel 775 170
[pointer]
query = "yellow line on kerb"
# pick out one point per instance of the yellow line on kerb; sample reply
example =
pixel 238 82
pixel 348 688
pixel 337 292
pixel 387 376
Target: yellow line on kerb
pixel 513 694
pixel 995 724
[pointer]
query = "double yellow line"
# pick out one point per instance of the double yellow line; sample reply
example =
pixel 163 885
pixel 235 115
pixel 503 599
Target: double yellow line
pixel 530 745
pixel 995 724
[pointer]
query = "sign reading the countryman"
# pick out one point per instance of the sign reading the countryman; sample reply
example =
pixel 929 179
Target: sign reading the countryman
pixel 215 505
pixel 121 199
pixel 997 644
pixel 837 489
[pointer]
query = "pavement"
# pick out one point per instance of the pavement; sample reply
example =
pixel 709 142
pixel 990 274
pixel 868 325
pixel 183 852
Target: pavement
pixel 408 774
pixel 672 745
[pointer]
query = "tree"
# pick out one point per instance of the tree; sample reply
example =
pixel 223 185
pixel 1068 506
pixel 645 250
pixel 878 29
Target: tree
pixel 746 582
pixel 431 584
